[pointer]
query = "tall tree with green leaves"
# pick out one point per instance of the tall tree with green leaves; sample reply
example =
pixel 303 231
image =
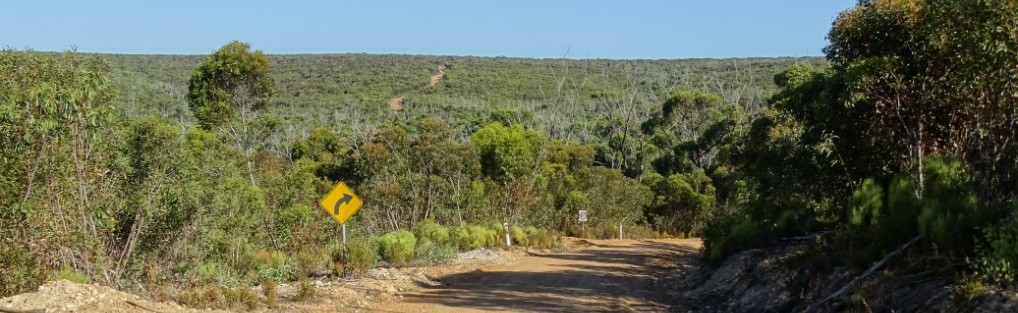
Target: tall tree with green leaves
pixel 511 160
pixel 689 131
pixel 228 91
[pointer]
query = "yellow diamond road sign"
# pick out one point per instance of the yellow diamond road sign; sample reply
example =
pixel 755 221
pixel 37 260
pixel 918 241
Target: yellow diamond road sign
pixel 341 203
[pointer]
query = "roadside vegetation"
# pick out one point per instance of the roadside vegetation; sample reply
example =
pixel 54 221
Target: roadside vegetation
pixel 200 174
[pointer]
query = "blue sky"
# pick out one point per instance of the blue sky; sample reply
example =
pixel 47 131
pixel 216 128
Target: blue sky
pixel 521 28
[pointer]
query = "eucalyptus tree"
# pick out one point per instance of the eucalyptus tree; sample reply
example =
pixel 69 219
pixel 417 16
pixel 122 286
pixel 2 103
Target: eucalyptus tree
pixel 511 161
pixel 228 91
pixel 56 171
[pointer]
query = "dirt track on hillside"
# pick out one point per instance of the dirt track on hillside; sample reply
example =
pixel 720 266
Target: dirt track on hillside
pixel 596 275
pixel 439 75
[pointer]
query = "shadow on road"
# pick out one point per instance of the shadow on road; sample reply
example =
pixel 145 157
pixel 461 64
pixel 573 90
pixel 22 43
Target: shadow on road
pixel 599 278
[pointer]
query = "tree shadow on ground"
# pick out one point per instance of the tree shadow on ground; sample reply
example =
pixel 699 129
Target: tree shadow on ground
pixel 604 278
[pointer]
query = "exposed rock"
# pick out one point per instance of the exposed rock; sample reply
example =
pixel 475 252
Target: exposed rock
pixel 789 277
pixel 999 301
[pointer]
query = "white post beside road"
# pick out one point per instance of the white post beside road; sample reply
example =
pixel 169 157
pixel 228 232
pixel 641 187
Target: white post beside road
pixel 620 231
pixel 508 243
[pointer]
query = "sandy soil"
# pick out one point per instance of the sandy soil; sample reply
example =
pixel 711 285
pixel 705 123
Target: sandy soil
pixel 396 103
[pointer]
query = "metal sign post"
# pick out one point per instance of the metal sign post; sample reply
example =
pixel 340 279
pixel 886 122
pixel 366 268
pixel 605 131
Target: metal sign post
pixel 341 203
pixel 346 270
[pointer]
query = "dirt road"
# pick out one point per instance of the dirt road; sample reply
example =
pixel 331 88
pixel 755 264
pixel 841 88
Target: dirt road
pixel 589 276
pixel 596 275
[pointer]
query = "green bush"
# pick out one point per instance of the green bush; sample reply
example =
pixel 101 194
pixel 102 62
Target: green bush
pixel 479 237
pixel 306 289
pixel 531 231
pixel 544 239
pixel 497 235
pixel 311 259
pixel 460 237
pixel 214 272
pixel 430 252
pixel 274 264
pixel 20 269
pixel 397 247
pixel 950 217
pixel 519 236
pixel 362 254
pixel 69 274
pixel 883 217
pixel 241 295
pixel 435 243
pixel 750 233
pixel 726 235
pixel 271 294
pixel 966 296
pixel 428 230
pixel 212 297
pixel 997 252
pixel 473 237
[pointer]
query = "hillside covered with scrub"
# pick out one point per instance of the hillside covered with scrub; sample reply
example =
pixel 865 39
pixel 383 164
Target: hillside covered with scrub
pixel 164 173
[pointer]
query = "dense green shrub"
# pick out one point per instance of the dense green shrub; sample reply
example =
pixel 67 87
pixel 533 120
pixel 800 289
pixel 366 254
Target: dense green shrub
pixel 473 237
pixel 723 236
pixel 397 247
pixel 518 236
pixel 544 239
pixel 480 237
pixel 241 298
pixel 428 230
pixel 306 289
pixel 215 272
pixel 69 274
pixel 310 260
pixel 498 237
pixel 950 214
pixel 20 269
pixel 362 254
pixel 750 233
pixel 460 237
pixel 882 218
pixel 204 297
pixel 269 289
pixel 997 252
pixel 275 264
pixel 429 252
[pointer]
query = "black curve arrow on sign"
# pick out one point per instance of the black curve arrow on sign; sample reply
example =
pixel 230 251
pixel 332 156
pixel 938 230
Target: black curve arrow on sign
pixel 345 199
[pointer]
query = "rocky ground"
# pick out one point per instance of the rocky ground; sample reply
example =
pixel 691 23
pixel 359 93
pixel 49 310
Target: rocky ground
pixel 794 277
pixel 360 294
pixel 65 296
